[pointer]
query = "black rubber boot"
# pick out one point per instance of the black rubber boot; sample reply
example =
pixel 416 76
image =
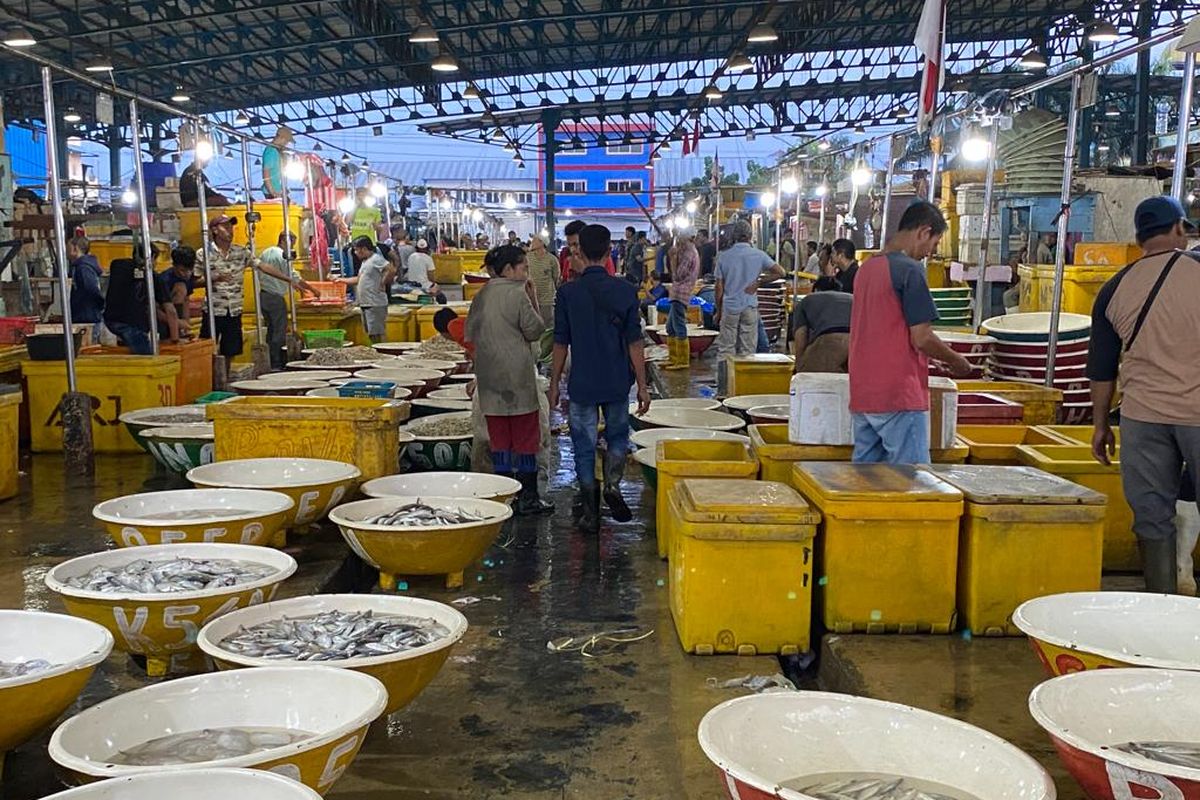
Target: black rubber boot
pixel 589 519
pixel 528 501
pixel 1159 565
pixel 614 468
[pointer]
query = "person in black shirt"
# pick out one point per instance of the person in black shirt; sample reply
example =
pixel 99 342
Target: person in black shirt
pixel 126 307
pixel 189 189
pixel 708 252
pixel 844 264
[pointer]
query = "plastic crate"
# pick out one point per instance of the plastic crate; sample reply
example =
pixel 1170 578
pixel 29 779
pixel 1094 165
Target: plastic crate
pixel 329 293
pixel 334 337
pixel 1024 534
pixel 694 458
pixel 889 546
pixel 214 397
pixel 380 389
pixel 741 567
pixel 13 330
pixel 997 444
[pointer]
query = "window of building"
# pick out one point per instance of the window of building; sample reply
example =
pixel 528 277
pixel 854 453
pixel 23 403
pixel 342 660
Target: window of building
pixel 634 185
pixel 625 149
pixel 571 187
pixel 568 148
pixel 525 197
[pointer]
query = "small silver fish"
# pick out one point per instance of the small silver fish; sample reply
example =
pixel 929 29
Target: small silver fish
pixel 334 636
pixel 176 575
pixel 419 515
pixel 209 744
pixel 1181 754
pixel 449 428
pixel 874 786
pixel 18 669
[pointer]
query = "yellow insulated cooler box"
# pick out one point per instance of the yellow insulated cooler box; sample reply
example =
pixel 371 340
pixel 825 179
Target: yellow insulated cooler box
pixel 362 432
pixel 776 454
pixel 761 373
pixel 888 546
pixel 1041 404
pixel 694 458
pixel 117 384
pixel 741 567
pixel 1025 534
pixel 997 444
pixel 10 451
pixel 1075 463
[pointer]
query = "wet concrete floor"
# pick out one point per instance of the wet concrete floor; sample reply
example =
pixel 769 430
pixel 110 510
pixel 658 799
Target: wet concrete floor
pixel 508 716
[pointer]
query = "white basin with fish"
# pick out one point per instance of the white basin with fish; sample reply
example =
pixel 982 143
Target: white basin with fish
pixel 779 745
pixel 195 784
pixel 405 673
pixel 238 516
pixel 484 485
pixel 330 707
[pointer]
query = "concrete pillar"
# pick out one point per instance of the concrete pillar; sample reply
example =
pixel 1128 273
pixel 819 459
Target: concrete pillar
pixel 550 120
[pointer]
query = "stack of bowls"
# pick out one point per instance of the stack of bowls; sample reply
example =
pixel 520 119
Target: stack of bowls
pixel 647 440
pixel 953 305
pixel 434 450
pixel 181 447
pixel 665 416
pixel 137 422
pixel 975 348
pixel 1022 350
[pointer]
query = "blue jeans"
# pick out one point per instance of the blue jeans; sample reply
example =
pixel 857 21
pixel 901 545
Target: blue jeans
pixel 764 344
pixel 901 437
pixel 584 422
pixel 677 320
pixel 136 339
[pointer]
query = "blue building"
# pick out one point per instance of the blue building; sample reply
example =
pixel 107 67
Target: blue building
pixel 594 178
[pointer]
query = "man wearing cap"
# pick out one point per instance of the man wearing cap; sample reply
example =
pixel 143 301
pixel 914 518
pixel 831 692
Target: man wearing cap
pixel 228 263
pixel 1144 329
pixel 272 163
pixel 418 271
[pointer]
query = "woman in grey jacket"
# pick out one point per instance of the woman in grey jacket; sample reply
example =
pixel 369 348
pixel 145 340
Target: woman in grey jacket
pixel 502 323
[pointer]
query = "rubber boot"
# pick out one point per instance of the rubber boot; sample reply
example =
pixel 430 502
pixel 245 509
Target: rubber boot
pixel 679 353
pixel 529 502
pixel 1187 531
pixel 614 469
pixel 1159 564
pixel 589 517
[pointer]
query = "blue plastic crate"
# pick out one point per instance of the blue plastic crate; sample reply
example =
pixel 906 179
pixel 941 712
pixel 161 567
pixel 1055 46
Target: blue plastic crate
pixel 380 389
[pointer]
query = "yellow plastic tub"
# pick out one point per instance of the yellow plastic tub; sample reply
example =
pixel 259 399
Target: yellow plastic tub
pixel 1081 284
pixel 997 444
pixel 741 567
pixel 116 384
pixel 1075 463
pixel 762 373
pixel 266 231
pixel 1036 282
pixel 1025 534
pixel 1075 434
pixel 10 449
pixel 1041 404
pixel 1106 254
pixel 776 453
pixel 889 546
pixel 362 432
pixel 694 458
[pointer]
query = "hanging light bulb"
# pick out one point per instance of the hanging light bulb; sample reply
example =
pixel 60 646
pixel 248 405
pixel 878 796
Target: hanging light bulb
pixel 790 185
pixel 510 201
pixel 204 151
pixel 347 204
pixel 444 63
pixel 100 64
pixel 294 169
pixel 739 63
pixel 1032 59
pixel 423 34
pixel 71 115
pixel 670 223
pixel 713 93
pixel 378 189
pixel 370 201
pixel 1103 32
pixel 681 222
pixel 767 199
pixel 446 204
pixel 476 215
pixel 241 120
pixel 129 197
pixel 470 93
pixel 19 37
pixel 762 33
pixel 822 190
pixel 860 175
pixel 974 146
pixel 691 206
pixel 823 145
pixel 180 96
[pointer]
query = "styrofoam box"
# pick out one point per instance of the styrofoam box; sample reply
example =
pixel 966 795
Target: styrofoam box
pixel 820 412
pixel 943 412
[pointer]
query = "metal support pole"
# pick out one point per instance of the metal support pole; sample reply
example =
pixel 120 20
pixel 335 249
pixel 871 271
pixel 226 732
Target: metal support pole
pixel 887 193
pixel 114 162
pixel 311 202
pixel 1184 125
pixel 387 206
pixel 983 298
pixel 205 253
pixel 287 257
pixel 935 145
pixel 821 223
pixel 550 120
pixel 75 407
pixel 1141 94
pixel 1060 253
pixel 257 348
pixel 777 216
pixel 144 222
pixel 796 249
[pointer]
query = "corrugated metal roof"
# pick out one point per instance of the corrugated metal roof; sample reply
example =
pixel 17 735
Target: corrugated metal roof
pixel 466 171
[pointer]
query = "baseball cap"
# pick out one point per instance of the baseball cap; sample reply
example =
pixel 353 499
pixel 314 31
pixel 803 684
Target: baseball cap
pixel 422 244
pixel 224 219
pixel 1159 212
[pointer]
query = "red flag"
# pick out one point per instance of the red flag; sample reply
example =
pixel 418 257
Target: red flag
pixel 696 138
pixel 687 145
pixel 929 39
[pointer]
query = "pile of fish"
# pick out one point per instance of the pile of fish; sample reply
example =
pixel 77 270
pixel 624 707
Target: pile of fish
pixel 343 356
pixel 19 669
pixel 209 744
pixel 419 515
pixel 1181 754
pixel 174 419
pixel 185 514
pixel 177 575
pixel 448 428
pixel 439 345
pixel 874 786
pixel 334 636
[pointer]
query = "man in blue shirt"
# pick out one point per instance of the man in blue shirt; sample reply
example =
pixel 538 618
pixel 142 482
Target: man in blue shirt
pixel 596 318
pixel 739 270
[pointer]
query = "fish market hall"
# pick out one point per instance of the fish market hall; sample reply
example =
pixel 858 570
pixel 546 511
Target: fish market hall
pixel 695 401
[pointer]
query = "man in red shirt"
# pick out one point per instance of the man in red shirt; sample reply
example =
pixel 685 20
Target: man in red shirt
pixel 572 251
pixel 891 342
